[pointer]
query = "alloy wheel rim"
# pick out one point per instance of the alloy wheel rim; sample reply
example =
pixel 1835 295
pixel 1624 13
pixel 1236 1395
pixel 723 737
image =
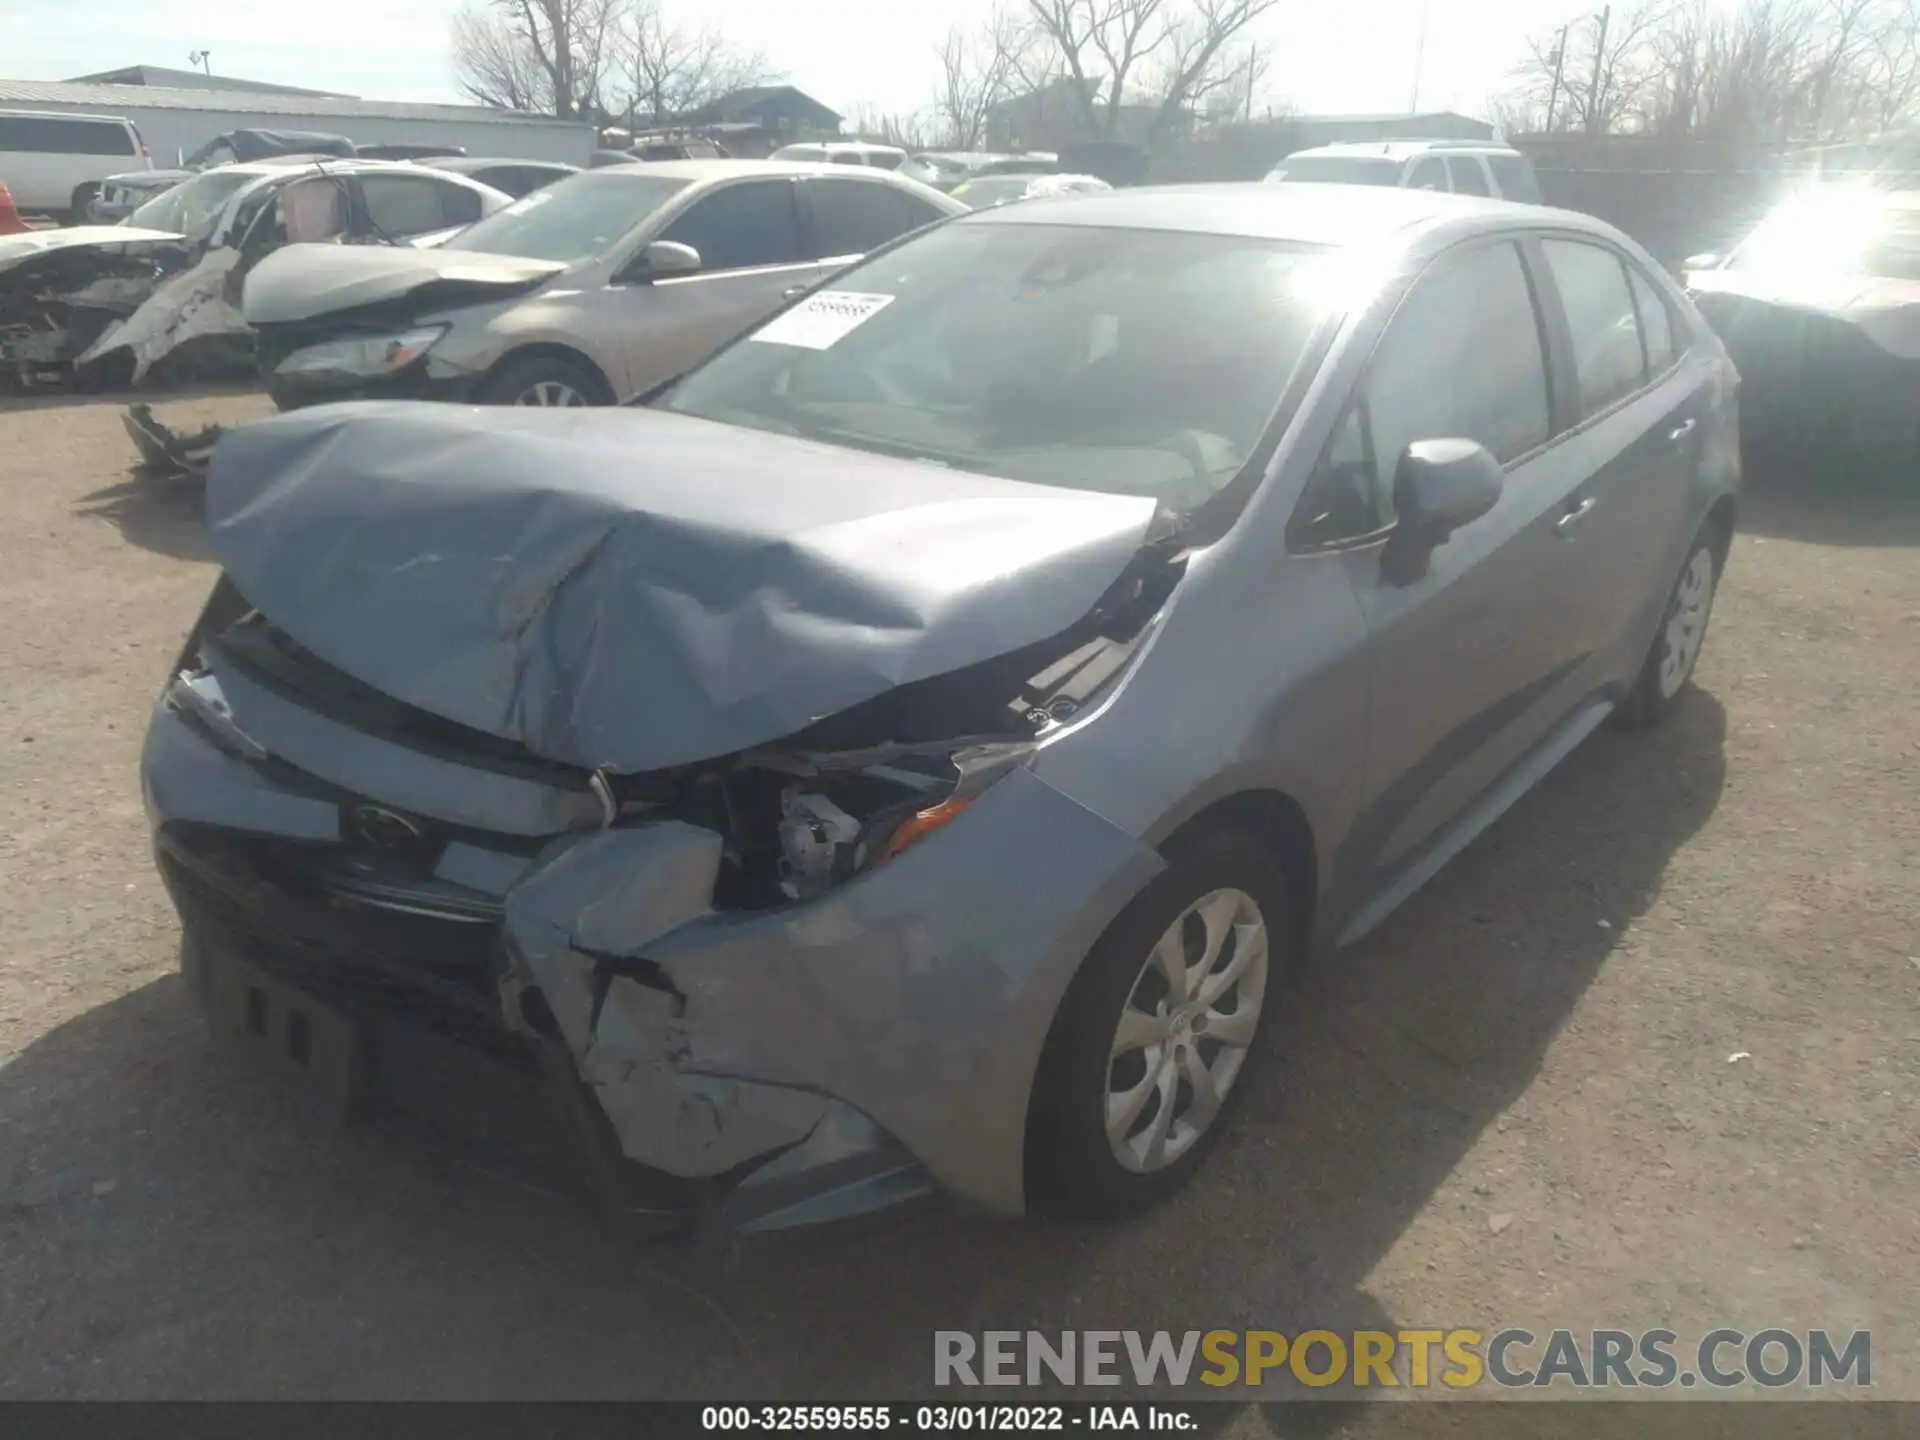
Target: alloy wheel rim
pixel 1686 627
pixel 1184 1032
pixel 548 393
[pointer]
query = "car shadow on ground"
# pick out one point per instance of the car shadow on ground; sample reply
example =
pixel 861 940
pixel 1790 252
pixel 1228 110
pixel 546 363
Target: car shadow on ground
pixel 1837 503
pixel 12 398
pixel 161 513
pixel 175 1226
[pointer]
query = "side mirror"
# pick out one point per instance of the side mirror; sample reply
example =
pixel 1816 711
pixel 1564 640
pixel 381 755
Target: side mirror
pixel 1708 261
pixel 659 260
pixel 1438 487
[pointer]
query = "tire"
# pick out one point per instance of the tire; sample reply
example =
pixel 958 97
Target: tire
pixel 517 381
pixel 80 201
pixel 1669 666
pixel 1074 1167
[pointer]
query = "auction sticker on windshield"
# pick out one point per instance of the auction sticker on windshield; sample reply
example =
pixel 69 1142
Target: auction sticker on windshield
pixel 821 321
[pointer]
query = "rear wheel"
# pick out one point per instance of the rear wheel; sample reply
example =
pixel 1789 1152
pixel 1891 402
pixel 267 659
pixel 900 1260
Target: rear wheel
pixel 545 381
pixel 1683 632
pixel 81 202
pixel 1157 1034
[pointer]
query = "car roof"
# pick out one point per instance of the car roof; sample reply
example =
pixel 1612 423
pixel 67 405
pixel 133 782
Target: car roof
pixel 1407 149
pixel 464 164
pixel 1331 215
pixel 697 171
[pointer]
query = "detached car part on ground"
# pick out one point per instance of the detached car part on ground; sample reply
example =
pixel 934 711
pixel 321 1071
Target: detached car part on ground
pixel 588 291
pixel 912 751
pixel 1820 309
pixel 108 303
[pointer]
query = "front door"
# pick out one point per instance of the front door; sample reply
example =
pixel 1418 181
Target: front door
pixel 1470 663
pixel 748 236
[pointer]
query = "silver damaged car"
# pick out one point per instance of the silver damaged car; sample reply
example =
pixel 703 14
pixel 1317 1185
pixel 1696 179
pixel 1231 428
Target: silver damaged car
pixel 911 752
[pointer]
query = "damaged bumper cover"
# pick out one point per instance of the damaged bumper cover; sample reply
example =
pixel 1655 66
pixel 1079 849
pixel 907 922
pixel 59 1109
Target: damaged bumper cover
pixel 789 1065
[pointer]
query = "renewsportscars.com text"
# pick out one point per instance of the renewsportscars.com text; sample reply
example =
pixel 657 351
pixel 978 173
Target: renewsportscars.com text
pixel 1771 1358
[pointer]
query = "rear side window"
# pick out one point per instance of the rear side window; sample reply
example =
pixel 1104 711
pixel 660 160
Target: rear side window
pixel 403 205
pixel 57 135
pixel 1428 174
pixel 1514 175
pixel 1462 359
pixel 742 226
pixel 851 217
pixel 1600 315
pixel 1656 324
pixel 1468 177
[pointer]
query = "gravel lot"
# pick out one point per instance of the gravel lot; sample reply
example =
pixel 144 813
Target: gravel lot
pixel 1512 1105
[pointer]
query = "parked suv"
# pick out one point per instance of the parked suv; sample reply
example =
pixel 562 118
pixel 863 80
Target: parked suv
pixel 54 163
pixel 1465 167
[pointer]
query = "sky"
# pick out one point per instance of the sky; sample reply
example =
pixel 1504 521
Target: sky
pixel 1350 57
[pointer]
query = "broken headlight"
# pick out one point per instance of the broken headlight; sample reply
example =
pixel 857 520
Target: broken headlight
pixel 857 811
pixel 368 358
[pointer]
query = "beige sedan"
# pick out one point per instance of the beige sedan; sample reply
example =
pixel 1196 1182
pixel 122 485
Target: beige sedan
pixel 590 291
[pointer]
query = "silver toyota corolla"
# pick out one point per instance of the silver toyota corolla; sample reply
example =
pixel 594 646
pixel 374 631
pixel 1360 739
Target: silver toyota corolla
pixel 912 752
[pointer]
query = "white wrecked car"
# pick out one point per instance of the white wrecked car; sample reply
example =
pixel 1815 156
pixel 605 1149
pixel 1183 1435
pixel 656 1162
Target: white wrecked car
pixel 162 288
pixel 1820 309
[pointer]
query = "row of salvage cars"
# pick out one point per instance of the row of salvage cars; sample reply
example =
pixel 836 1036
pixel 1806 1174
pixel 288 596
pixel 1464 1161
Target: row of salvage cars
pixel 159 294
pixel 907 747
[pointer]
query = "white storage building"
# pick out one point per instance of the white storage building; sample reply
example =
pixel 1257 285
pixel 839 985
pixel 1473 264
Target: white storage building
pixel 176 122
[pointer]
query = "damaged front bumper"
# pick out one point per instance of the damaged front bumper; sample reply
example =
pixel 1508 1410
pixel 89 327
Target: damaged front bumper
pixel 514 969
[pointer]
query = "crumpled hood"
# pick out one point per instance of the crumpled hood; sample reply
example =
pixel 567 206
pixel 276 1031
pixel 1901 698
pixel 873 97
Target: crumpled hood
pixel 16 250
pixel 632 589
pixel 303 281
pixel 1887 311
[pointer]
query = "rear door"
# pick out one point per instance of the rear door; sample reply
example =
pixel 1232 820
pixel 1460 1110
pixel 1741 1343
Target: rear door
pixel 1638 425
pixel 1469 663
pixel 748 236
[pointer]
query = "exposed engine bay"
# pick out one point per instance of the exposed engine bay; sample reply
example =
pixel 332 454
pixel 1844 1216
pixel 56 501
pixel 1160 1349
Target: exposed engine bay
pixel 54 307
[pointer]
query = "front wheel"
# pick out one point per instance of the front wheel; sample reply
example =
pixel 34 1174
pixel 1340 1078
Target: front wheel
pixel 545 381
pixel 1683 632
pixel 1157 1034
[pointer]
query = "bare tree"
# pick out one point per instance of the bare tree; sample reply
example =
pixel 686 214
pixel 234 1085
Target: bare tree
pixel 555 51
pixel 978 69
pixel 666 69
pixel 910 131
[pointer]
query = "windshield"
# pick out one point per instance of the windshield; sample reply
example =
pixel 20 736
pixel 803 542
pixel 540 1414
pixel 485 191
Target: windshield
pixel 1133 361
pixel 991 190
pixel 571 220
pixel 1855 234
pixel 1339 170
pixel 191 207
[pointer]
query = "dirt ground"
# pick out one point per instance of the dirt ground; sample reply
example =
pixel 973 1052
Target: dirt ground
pixel 1517 1103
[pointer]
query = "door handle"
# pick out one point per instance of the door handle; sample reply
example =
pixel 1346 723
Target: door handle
pixel 1564 525
pixel 1681 432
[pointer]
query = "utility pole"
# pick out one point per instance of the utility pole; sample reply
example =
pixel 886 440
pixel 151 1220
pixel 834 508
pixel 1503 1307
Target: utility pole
pixel 1599 55
pixel 1253 54
pixel 1420 54
pixel 1559 73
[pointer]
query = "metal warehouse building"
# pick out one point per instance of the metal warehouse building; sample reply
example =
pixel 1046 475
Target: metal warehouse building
pixel 176 122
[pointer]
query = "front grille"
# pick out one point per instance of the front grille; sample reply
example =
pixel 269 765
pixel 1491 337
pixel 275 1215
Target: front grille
pixel 267 900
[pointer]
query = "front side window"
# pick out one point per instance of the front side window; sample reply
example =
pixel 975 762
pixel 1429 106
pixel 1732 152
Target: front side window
pixel 1428 174
pixel 1129 361
pixel 1600 314
pixel 742 226
pixel 1462 360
